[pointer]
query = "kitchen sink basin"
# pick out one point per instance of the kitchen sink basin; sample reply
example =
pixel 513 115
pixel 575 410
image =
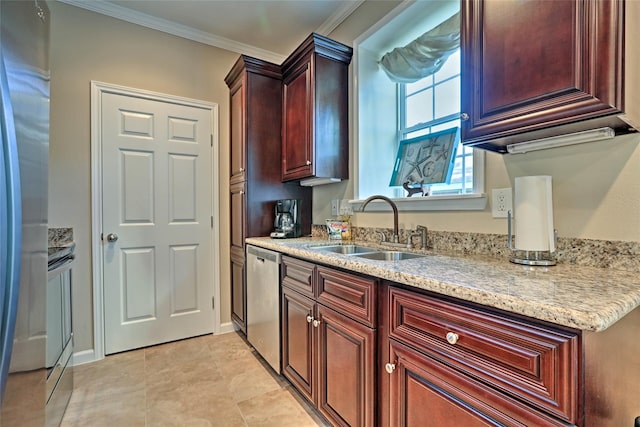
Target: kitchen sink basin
pixel 389 255
pixel 346 249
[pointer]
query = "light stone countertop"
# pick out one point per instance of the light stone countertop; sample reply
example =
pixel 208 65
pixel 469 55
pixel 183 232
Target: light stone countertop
pixel 586 298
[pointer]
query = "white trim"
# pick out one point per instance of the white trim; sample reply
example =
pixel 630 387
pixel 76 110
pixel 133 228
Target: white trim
pixel 189 33
pixel 97 90
pixel 85 356
pixel 338 17
pixel 228 327
pixel 169 27
pixel 458 202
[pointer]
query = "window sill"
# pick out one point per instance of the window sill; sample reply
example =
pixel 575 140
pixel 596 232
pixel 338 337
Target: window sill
pixel 466 202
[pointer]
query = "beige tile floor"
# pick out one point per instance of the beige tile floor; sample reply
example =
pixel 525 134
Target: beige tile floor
pixel 205 381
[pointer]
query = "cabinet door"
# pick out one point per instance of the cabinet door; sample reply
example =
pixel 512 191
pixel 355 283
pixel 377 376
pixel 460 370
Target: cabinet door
pixel 426 392
pixel 238 289
pixel 298 345
pixel 346 380
pixel 238 160
pixel 297 127
pixel 531 65
pixel 237 214
pixel 237 231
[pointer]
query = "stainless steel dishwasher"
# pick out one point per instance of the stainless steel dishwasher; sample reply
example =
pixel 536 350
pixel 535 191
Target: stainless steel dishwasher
pixel 263 303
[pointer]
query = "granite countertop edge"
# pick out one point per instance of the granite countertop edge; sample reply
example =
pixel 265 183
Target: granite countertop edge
pixel 585 298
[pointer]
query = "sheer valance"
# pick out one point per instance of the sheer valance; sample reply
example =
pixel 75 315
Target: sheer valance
pixel 425 55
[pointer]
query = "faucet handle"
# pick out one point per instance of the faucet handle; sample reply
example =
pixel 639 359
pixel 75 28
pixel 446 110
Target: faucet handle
pixel 383 237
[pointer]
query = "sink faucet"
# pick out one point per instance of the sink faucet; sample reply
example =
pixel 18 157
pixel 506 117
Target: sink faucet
pixel 395 238
pixel 421 231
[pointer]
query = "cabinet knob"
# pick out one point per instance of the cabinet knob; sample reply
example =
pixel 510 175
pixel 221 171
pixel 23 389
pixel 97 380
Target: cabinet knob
pixel 452 337
pixel 308 162
pixel 390 367
pixel 241 169
pixel 241 192
pixel 464 116
pixel 316 323
pixel 309 318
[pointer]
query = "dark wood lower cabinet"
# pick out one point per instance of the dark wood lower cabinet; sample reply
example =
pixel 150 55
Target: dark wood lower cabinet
pixel 425 392
pixel 238 289
pixel 328 356
pixel 346 360
pixel 298 345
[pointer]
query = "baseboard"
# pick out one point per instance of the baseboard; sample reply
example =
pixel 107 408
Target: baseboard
pixel 88 356
pixel 85 356
pixel 228 327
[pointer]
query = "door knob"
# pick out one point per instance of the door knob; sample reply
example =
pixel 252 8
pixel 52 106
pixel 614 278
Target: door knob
pixel 112 237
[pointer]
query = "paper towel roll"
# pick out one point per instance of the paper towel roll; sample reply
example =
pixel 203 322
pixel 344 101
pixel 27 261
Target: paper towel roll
pixel 534 214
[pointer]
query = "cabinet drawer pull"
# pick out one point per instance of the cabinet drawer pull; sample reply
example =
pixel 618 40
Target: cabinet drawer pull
pixel 309 318
pixel 316 323
pixel 452 337
pixel 390 367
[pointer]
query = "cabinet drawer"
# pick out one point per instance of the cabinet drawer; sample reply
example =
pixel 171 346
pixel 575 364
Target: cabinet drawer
pixel 349 294
pixel 298 275
pixel 426 392
pixel 535 363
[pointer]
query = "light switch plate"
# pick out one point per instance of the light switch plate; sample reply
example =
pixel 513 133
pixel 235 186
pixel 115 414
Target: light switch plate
pixel 335 207
pixel 501 202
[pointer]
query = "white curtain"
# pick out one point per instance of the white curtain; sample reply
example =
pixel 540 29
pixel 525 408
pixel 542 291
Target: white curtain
pixel 425 55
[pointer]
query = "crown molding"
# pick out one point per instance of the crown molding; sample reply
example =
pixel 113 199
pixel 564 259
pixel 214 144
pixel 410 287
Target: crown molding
pixel 338 17
pixel 142 19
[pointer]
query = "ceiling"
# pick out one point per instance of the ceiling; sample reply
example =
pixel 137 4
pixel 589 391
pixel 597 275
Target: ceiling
pixel 266 29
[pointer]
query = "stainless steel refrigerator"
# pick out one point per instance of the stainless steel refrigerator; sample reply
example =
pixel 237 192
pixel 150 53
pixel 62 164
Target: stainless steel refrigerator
pixel 24 139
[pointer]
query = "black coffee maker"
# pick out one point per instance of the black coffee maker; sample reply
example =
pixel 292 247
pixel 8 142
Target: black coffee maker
pixel 287 221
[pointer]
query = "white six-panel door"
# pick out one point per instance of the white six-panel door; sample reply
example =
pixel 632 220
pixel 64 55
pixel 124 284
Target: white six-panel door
pixel 156 212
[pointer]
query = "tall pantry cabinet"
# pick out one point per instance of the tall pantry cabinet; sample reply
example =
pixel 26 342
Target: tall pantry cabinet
pixel 255 181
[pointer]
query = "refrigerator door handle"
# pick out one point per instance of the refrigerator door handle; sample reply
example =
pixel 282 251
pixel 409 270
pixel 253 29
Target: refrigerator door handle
pixel 11 228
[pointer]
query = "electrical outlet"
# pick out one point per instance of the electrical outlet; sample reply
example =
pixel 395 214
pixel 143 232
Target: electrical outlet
pixel 345 207
pixel 501 202
pixel 335 207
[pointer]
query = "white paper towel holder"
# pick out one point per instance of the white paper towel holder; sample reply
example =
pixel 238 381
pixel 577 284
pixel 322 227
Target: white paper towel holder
pixel 534 258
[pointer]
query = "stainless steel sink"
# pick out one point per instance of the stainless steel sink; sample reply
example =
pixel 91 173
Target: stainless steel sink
pixel 346 249
pixel 389 255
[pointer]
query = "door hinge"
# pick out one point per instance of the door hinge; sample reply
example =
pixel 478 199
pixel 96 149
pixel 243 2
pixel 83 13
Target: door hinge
pixel 211 221
pixel 211 138
pixel 213 303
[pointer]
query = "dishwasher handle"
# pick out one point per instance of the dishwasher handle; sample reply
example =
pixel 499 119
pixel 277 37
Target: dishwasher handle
pixel 263 255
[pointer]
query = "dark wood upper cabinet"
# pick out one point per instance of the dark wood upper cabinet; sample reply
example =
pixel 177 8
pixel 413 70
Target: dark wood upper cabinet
pixel 315 118
pixel 538 68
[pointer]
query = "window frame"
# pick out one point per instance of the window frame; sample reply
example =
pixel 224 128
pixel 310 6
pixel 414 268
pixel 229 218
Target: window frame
pixel 475 200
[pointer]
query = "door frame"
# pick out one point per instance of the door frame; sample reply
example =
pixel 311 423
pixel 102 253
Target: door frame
pixel 97 90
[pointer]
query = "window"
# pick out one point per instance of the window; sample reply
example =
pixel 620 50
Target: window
pixel 433 104
pixel 388 112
